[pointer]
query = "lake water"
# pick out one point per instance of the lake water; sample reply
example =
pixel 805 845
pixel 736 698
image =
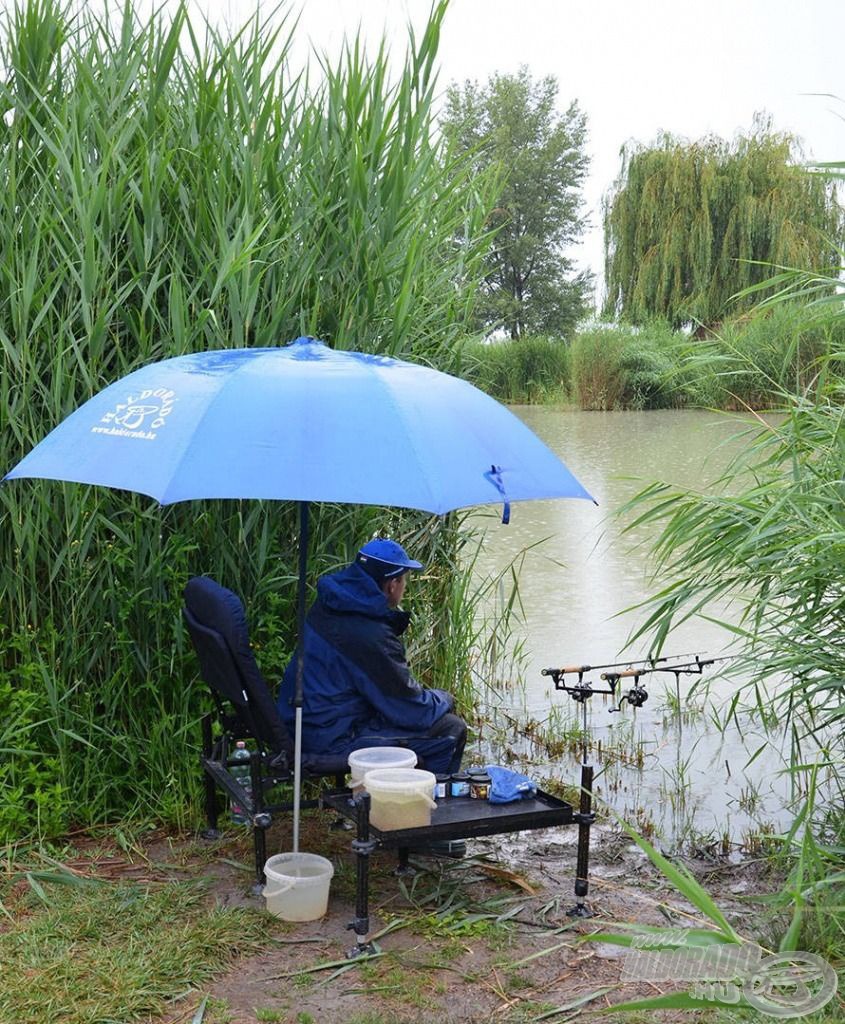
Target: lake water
pixel 579 574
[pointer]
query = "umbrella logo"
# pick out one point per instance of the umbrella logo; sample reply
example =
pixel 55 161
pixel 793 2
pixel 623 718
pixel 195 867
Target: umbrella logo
pixel 141 415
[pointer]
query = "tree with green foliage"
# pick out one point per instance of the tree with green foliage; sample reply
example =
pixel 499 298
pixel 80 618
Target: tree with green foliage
pixel 689 225
pixel 511 128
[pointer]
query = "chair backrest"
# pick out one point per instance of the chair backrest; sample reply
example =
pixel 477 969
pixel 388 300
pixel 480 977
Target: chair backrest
pixel 217 626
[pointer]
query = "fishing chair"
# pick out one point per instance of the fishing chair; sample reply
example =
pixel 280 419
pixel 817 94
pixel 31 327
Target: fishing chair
pixel 245 711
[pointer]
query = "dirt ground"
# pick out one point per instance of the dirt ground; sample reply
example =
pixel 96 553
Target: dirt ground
pixel 448 958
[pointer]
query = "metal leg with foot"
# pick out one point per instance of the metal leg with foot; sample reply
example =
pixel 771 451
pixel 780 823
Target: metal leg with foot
pixel 403 868
pixel 585 819
pixel 362 846
pixel 261 821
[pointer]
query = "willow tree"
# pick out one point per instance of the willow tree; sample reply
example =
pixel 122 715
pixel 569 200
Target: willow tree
pixel 689 225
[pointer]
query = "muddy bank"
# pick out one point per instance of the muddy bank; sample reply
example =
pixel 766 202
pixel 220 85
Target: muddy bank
pixel 486 938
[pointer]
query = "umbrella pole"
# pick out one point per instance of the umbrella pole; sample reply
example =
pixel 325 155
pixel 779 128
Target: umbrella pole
pixel 300 657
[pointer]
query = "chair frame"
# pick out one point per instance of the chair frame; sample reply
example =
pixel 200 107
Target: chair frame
pixel 217 763
pixel 243 705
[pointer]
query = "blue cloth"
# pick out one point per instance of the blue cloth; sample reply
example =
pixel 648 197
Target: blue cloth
pixel 507 786
pixel 357 688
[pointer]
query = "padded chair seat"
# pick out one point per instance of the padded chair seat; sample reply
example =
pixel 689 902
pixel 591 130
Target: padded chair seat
pixel 325 764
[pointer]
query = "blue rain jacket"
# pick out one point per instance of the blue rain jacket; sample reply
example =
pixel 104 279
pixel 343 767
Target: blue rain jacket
pixel 356 680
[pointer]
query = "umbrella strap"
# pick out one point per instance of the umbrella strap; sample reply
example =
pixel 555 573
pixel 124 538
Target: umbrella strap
pixel 495 477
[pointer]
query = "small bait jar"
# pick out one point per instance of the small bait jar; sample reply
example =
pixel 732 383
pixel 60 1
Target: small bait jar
pixel 459 785
pixel 442 787
pixel 479 786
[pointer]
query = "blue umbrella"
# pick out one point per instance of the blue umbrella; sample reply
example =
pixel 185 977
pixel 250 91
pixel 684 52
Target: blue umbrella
pixel 301 423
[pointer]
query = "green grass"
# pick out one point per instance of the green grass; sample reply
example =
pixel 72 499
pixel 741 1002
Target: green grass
pixel 805 922
pixel 114 952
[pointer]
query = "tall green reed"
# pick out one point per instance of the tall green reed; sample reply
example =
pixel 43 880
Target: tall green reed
pixel 766 539
pixel 532 369
pixel 747 362
pixel 597 379
pixel 623 367
pixel 769 538
pixel 752 361
pixel 168 189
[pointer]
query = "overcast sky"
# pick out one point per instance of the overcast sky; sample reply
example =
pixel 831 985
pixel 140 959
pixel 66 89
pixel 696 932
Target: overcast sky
pixel 636 67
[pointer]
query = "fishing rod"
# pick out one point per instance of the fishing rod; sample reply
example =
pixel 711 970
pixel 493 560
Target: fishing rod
pixel 637 695
pixel 688 668
pixel 583 690
pixel 581 669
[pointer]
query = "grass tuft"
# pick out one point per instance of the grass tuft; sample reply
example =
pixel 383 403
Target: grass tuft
pixel 114 952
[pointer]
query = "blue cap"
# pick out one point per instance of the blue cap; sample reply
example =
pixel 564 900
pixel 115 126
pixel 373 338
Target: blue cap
pixel 383 559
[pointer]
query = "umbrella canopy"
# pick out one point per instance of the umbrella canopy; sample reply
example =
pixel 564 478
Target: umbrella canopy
pixel 301 423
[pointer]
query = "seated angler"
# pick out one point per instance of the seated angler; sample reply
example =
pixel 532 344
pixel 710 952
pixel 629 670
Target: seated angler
pixel 357 688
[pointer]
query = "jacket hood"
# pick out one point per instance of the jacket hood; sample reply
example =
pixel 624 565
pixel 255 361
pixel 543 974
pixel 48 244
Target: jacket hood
pixel 352 592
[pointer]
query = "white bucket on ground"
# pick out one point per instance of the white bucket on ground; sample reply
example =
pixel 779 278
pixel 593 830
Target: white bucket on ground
pixel 297 887
pixel 372 758
pixel 400 798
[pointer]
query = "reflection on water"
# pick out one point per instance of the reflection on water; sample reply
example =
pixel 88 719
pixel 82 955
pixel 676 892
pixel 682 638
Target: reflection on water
pixel 580 574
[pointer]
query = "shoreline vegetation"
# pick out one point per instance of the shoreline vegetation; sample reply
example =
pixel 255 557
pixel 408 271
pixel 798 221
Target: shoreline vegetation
pixel 169 190
pixel 747 362
pixel 98 686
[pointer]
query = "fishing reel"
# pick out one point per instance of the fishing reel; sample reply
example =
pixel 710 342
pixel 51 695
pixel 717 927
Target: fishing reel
pixel 636 697
pixel 581 691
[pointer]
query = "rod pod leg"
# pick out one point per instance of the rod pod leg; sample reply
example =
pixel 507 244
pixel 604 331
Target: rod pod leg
pixel 585 819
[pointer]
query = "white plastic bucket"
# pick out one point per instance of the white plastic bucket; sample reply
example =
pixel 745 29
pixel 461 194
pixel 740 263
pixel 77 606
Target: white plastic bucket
pixel 400 798
pixel 297 887
pixel 370 759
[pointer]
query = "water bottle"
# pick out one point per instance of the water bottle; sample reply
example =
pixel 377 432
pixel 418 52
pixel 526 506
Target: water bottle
pixel 242 773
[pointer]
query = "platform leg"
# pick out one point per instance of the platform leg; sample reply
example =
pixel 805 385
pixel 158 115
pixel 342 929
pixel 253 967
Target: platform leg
pixel 259 844
pixel 585 819
pixel 362 846
pixel 403 868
